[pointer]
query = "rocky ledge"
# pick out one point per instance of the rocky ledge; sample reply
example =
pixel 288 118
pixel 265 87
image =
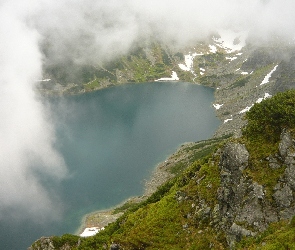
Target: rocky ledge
pixel 244 208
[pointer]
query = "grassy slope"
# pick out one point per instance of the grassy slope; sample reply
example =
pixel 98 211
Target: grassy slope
pixel 175 216
pixel 168 220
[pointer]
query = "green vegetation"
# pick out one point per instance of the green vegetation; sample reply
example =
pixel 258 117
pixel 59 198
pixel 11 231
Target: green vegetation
pixel 195 151
pixel 168 218
pixel 215 80
pixel 175 217
pixel 141 65
pixel 280 235
pixel 180 214
pixel 241 82
pixel 267 119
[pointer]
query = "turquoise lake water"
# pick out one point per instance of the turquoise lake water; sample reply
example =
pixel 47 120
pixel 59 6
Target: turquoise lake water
pixel 111 141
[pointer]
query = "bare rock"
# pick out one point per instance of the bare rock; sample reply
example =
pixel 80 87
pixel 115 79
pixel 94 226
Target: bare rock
pixel 283 196
pixel 115 246
pixel 285 144
pixel 234 157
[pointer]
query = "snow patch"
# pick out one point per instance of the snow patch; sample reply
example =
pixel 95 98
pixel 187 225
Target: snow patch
pixel 239 54
pixel 217 106
pixel 189 60
pixel 231 58
pixel 227 120
pixel 212 48
pixel 266 95
pixel 244 73
pixel 202 69
pixel 173 77
pixel 90 231
pixel 266 78
pixel 246 109
pixel 183 67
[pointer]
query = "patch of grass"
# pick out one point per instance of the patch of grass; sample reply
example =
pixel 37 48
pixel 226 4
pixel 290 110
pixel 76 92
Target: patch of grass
pixel 240 82
pixel 261 136
pixel 279 235
pixel 92 85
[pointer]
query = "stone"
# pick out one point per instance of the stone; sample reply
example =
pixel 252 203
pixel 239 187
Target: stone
pixel 273 162
pixel 234 156
pixel 115 246
pixel 283 196
pixel 285 143
pixel 236 233
pixel 289 176
pixel 258 190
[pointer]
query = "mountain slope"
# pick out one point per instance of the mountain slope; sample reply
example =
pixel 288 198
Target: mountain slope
pixel 238 194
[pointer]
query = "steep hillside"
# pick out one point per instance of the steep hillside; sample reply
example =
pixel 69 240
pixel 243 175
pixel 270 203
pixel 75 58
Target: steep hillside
pixel 238 194
pixel 235 191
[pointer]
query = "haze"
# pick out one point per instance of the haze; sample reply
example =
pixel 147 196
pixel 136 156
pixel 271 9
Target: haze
pixel 94 32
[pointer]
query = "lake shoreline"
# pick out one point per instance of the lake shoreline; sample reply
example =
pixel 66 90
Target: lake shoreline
pixel 160 174
pixel 101 218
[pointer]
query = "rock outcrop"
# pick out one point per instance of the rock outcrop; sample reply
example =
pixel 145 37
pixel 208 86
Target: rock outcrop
pixel 244 209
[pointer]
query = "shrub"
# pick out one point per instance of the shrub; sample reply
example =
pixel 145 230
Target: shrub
pixel 267 119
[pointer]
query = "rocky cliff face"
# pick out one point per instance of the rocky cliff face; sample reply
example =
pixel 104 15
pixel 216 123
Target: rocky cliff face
pixel 244 208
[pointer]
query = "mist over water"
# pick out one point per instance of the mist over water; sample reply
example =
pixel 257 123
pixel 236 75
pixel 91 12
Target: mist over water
pixel 39 33
pixel 111 140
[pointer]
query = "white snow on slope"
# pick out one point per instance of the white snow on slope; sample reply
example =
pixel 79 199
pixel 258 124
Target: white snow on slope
pixel 217 106
pixel 244 73
pixel 246 109
pixel 231 58
pixel 266 78
pixel 90 231
pixel 173 77
pixel 188 62
pixel 266 95
pixel 227 120
pixel 212 48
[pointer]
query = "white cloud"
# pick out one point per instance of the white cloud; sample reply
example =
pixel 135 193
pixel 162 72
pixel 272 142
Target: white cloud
pixel 27 138
pixel 91 31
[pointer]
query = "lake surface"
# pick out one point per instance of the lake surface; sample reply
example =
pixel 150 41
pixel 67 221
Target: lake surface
pixel 111 141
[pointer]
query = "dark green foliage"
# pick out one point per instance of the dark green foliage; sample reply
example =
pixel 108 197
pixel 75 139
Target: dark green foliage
pixel 215 80
pixel 240 82
pixel 267 119
pixel 66 239
pixel 195 152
